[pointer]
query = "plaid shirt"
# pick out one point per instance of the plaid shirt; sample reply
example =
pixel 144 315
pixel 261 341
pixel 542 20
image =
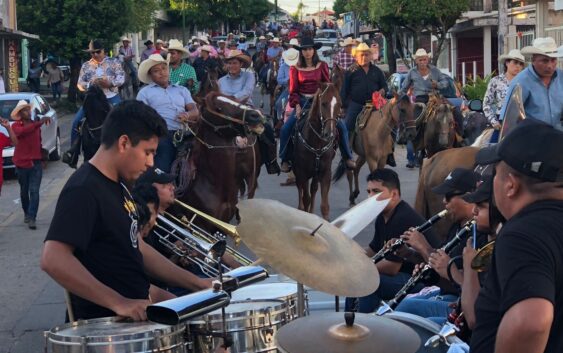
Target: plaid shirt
pixel 343 60
pixel 109 68
pixel 182 74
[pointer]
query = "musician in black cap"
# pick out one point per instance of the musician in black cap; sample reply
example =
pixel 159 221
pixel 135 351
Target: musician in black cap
pixel 520 308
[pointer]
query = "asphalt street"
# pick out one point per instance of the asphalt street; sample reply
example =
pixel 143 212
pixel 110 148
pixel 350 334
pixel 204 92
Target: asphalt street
pixel 33 303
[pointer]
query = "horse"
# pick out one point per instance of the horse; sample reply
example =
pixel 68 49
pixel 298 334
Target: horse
pixel 129 88
pixel 435 127
pixel 373 141
pixel 337 76
pixel 271 85
pixel 474 125
pixel 96 108
pixel 221 166
pixel 315 148
pixel 209 84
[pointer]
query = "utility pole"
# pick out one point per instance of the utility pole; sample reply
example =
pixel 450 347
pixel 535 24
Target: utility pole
pixel 184 22
pixel 276 12
pixel 502 30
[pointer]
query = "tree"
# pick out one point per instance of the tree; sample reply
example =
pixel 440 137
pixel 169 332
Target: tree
pixel 66 26
pixel 339 7
pixel 386 16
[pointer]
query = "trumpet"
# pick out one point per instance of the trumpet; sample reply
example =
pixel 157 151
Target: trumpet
pixel 381 254
pixel 482 259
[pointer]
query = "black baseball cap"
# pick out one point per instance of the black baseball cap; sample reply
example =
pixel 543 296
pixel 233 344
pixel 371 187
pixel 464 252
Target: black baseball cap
pixel 459 181
pixel 483 192
pixel 532 148
pixel 155 175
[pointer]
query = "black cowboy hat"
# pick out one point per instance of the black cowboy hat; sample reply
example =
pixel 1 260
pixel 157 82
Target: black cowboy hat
pixel 308 42
pixel 148 42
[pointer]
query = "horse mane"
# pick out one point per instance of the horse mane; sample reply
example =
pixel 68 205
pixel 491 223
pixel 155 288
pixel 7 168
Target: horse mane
pixel 483 139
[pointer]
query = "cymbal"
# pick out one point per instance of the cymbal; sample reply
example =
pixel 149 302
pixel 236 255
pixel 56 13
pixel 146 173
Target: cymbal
pixel 306 248
pixel 353 221
pixel 328 333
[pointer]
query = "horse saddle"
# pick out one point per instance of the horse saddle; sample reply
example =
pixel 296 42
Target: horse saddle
pixel 363 117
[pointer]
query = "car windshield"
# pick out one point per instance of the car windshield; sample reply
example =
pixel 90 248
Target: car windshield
pixel 7 106
pixel 330 34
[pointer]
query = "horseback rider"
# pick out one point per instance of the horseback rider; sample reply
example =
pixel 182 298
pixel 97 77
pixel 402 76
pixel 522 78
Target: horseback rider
pixel 242 44
pixel 344 58
pixel 289 58
pixel 173 102
pixel 304 82
pixel 100 70
pixel 181 73
pixel 274 52
pixel 240 85
pixel 127 55
pixel 360 81
pixel 204 63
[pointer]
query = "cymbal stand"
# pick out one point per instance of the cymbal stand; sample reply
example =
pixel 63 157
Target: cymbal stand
pixel 300 300
pixel 218 250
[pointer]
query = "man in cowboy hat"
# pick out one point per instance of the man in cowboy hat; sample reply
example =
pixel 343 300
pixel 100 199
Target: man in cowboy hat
pixel 181 73
pixel 344 59
pixel 173 102
pixel 126 54
pixel 6 141
pixel 222 49
pixel 273 53
pixel 27 159
pixel 159 48
pixel 240 85
pixel 262 44
pixel 149 51
pixel 541 83
pixel 361 80
pixel 100 70
pixel 242 44
pixel 204 63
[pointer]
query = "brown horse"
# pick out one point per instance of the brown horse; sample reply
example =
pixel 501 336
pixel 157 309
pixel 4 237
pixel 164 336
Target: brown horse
pixel 435 127
pixel 314 148
pixel 209 84
pixel 222 165
pixel 433 172
pixel 372 140
pixel 270 88
pixel 337 77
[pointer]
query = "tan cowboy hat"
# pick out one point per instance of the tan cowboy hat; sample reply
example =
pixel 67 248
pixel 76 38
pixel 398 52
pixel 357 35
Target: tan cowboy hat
pixel 159 41
pixel 420 53
pixel 262 38
pixel 21 105
pixel 275 40
pixel 221 41
pixel 207 48
pixel 125 39
pixel 291 56
pixel 294 42
pixel 360 48
pixel 242 35
pixel 543 46
pixel 514 54
pixel 346 42
pixel 175 44
pixel 237 54
pixel 204 39
pixel 146 65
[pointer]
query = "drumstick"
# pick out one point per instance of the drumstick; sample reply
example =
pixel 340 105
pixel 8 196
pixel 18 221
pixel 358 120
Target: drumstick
pixel 69 306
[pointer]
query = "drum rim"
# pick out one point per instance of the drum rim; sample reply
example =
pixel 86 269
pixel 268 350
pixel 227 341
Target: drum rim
pixel 54 336
pixel 282 306
pixel 409 318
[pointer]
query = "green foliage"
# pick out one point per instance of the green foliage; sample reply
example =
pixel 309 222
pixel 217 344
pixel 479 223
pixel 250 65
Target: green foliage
pixel 209 13
pixel 339 7
pixel 142 14
pixel 477 87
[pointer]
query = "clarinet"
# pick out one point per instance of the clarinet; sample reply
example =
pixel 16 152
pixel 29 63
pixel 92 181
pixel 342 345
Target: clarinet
pixel 427 272
pixel 381 254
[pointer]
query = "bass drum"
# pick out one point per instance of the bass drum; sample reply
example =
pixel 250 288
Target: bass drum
pixel 251 324
pixel 424 328
pixel 107 335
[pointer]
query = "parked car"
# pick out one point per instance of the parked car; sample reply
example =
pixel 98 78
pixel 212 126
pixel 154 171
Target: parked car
pixel 50 134
pixel 326 52
pixel 327 36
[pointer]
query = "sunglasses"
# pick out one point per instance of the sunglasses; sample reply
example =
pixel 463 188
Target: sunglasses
pixel 96 51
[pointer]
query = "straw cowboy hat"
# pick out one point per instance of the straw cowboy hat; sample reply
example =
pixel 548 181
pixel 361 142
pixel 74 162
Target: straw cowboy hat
pixel 159 41
pixel 21 105
pixel 175 44
pixel 237 54
pixel 514 54
pixel 348 41
pixel 125 39
pixel 207 48
pixel 94 45
pixel 291 56
pixel 421 53
pixel 204 39
pixel 146 65
pixel 360 48
pixel 543 46
pixel 262 38
pixel 275 40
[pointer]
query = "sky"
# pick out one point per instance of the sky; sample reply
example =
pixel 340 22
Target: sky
pixel 310 5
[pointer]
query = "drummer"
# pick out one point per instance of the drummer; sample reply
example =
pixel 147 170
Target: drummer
pixel 92 248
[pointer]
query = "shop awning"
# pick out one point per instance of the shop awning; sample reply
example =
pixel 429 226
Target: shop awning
pixel 5 31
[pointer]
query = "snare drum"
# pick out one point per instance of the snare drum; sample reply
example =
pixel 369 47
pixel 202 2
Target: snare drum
pixel 252 325
pixel 107 335
pixel 425 329
pixel 285 291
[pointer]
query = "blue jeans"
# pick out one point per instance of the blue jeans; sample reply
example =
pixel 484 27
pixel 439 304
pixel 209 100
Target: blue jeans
pixel 388 287
pixel 278 108
pixel 80 114
pixel 30 181
pixel 431 305
pixel 165 153
pixel 411 157
pixel 287 129
pixel 56 89
pixel 352 114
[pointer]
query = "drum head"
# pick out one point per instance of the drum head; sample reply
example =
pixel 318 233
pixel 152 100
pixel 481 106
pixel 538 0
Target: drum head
pixel 265 291
pixel 243 309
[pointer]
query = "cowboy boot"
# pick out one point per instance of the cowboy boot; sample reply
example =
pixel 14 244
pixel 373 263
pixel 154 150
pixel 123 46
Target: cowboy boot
pixel 391 160
pixel 285 167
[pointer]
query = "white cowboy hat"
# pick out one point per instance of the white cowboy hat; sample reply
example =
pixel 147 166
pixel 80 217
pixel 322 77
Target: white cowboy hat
pixel 175 44
pixel 124 38
pixel 159 41
pixel 221 41
pixel 146 65
pixel 204 39
pixel 294 42
pixel 262 38
pixel 514 54
pixel 275 40
pixel 242 35
pixel 237 54
pixel 270 34
pixel 194 37
pixel 21 105
pixel 543 46
pixel 346 42
pixel 291 56
pixel 207 48
pixel 359 40
pixel 420 53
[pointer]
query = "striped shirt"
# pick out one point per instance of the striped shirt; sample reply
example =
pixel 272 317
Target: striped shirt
pixel 182 74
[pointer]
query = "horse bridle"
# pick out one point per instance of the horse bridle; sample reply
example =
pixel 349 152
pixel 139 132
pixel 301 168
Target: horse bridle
pixel 322 119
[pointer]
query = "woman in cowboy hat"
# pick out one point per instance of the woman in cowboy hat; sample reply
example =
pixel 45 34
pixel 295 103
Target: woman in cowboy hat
pixel 304 81
pixel 513 63
pixel 181 73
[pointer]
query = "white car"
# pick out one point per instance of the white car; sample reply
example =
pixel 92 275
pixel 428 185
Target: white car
pixel 50 134
pixel 326 53
pixel 327 36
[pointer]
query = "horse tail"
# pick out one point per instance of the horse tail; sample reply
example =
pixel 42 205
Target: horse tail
pixel 420 203
pixel 339 172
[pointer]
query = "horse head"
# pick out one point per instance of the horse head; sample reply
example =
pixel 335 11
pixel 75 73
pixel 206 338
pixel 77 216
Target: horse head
pixel 226 111
pixel 337 76
pixel 440 123
pixel 96 106
pixel 404 116
pixel 327 107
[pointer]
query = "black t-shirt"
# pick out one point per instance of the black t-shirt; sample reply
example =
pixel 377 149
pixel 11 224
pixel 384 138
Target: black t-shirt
pixel 359 86
pixel 403 217
pixel 96 216
pixel 527 263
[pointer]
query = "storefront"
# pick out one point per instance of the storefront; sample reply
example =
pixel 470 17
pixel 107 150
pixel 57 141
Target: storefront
pixel 14 57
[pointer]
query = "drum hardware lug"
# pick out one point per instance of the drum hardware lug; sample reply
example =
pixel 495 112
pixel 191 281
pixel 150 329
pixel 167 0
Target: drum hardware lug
pixel 84 344
pixel 268 334
pixel 447 331
pixel 46 336
pixel 158 339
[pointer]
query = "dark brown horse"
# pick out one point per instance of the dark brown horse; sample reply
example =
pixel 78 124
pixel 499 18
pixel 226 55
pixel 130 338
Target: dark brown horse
pixel 314 149
pixel 209 84
pixel 372 140
pixel 270 88
pixel 223 165
pixel 337 77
